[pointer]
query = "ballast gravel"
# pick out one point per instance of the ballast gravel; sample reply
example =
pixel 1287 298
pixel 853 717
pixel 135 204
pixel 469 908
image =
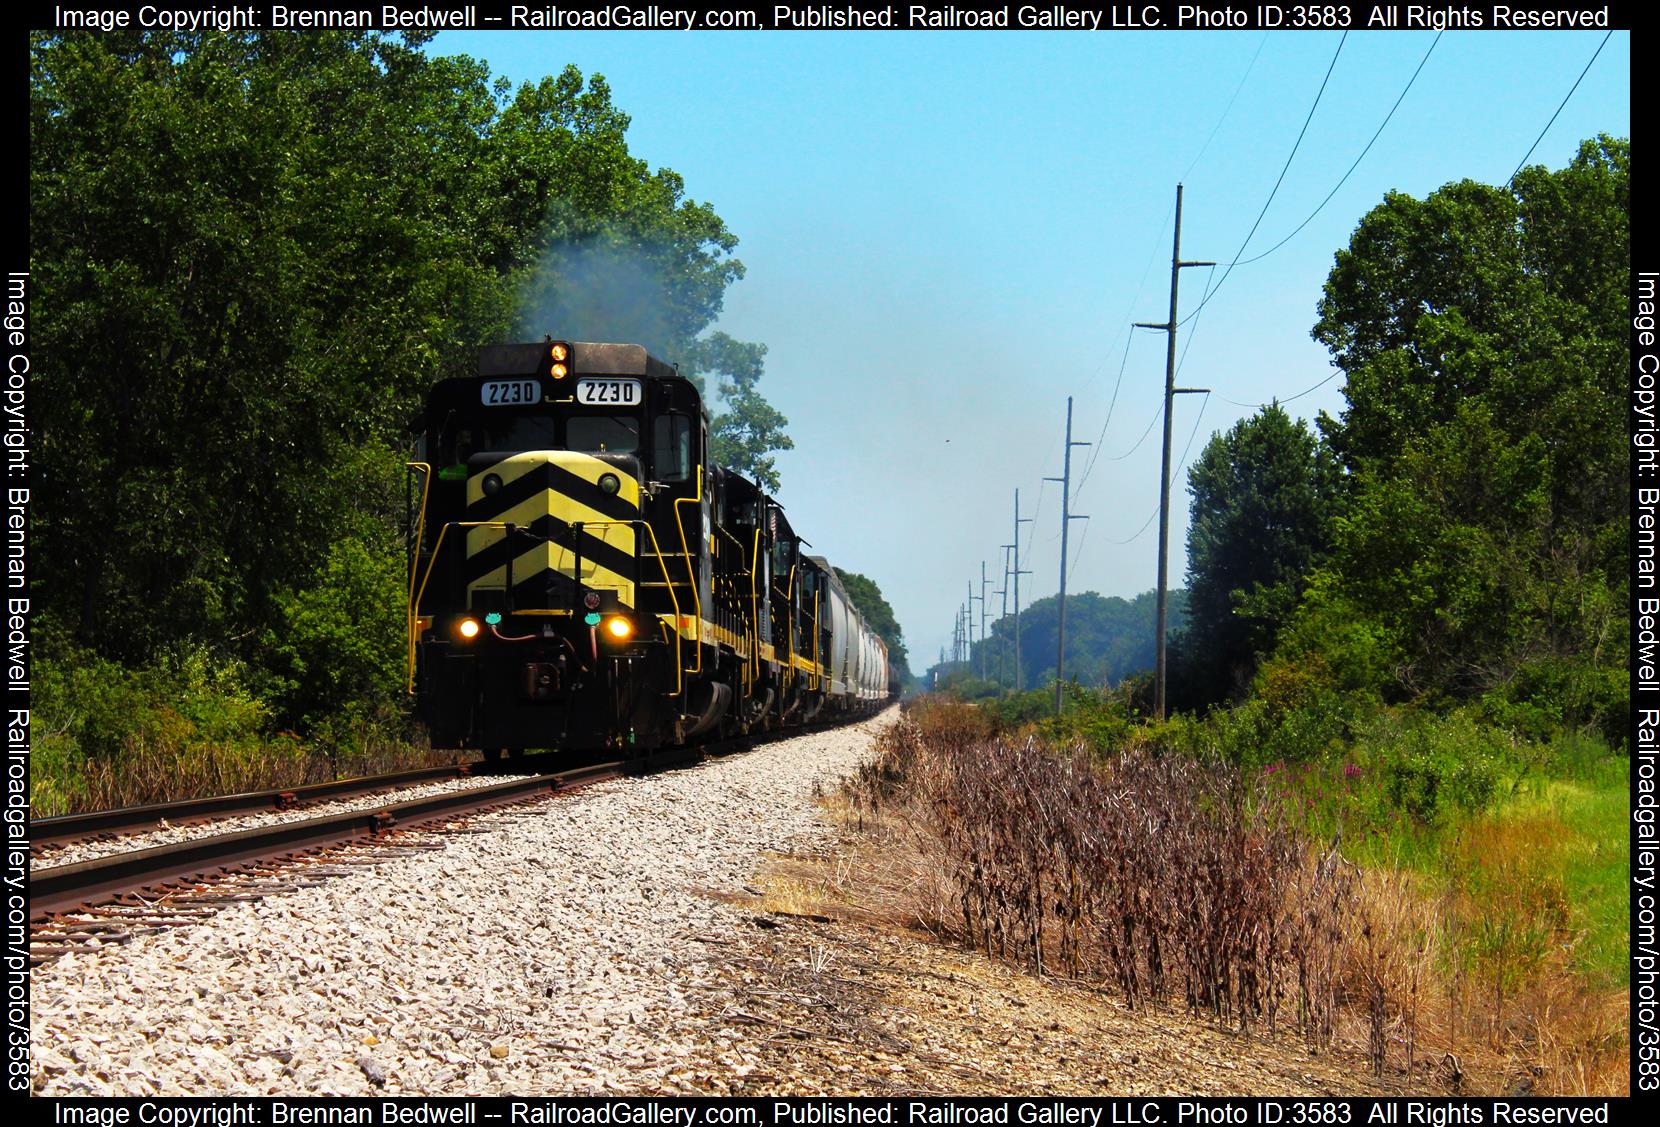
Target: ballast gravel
pixel 575 948
pixel 74 852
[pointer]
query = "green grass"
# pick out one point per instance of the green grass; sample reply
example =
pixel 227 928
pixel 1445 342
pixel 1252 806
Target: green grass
pixel 1592 860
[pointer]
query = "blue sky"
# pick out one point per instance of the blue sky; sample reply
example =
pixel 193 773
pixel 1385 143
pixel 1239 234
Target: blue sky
pixel 948 233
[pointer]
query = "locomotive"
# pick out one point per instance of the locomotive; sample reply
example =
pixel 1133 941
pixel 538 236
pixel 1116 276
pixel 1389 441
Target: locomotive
pixel 582 577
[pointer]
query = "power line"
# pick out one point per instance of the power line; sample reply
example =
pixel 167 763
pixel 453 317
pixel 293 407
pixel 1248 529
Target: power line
pixel 1363 152
pixel 1287 167
pixel 1141 285
pixel 1260 44
pixel 1149 521
pixel 1122 364
pixel 1150 424
pixel 1564 104
pixel 1288 399
pixel 1358 159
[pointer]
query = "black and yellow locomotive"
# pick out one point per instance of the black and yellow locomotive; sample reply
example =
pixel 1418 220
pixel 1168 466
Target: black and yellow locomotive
pixel 581 577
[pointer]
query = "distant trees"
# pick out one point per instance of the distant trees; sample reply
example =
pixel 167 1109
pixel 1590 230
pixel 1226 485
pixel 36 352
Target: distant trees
pixel 1107 639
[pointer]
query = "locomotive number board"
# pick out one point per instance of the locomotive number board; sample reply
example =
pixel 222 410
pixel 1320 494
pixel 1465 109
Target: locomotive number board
pixel 618 393
pixel 509 393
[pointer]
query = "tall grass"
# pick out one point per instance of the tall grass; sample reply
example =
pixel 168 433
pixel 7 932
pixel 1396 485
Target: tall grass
pixel 1170 880
pixel 187 725
pixel 1478 943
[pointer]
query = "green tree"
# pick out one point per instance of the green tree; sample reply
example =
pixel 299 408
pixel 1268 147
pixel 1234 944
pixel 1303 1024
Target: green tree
pixel 1484 331
pixel 1107 639
pixel 749 429
pixel 1262 500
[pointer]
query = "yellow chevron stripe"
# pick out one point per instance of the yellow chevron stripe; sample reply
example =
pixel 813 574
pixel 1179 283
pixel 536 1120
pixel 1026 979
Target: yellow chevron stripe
pixel 508 469
pixel 591 469
pixel 570 510
pixel 554 557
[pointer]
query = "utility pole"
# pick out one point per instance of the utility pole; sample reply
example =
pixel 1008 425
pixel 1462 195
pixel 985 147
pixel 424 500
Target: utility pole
pixel 983 636
pixel 1002 670
pixel 969 656
pixel 1170 390
pixel 1066 522
pixel 1019 681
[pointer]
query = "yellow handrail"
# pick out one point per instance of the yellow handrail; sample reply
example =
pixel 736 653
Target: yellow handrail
pixel 691 575
pixel 432 561
pixel 789 597
pixel 668 585
pixel 409 599
pixel 755 606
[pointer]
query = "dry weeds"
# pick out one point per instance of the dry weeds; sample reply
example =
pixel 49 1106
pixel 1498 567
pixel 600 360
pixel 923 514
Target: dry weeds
pixel 1175 885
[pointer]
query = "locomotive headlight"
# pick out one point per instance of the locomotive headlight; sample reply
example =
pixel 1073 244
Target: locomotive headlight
pixel 609 484
pixel 619 628
pixel 558 371
pixel 467 628
pixel 558 351
pixel 491 484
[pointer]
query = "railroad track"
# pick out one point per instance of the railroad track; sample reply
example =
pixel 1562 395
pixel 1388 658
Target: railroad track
pixel 109 899
pixel 65 829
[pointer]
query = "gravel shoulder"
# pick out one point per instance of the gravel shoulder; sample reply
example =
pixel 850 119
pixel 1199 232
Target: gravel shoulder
pixel 575 949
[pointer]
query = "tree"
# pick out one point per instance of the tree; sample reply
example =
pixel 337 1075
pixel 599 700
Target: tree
pixel 1262 497
pixel 749 429
pixel 1485 331
pixel 1107 638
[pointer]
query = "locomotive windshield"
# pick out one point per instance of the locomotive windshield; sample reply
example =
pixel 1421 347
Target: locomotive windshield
pixel 504 432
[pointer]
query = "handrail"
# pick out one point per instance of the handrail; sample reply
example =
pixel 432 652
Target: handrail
pixel 432 561
pixel 755 606
pixel 691 575
pixel 791 672
pixel 668 584
pixel 409 599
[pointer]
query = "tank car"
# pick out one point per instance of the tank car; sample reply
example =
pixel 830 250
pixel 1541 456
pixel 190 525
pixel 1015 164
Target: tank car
pixel 582 577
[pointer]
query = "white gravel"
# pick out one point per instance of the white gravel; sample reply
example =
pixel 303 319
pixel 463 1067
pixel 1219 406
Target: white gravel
pixel 77 851
pixel 572 950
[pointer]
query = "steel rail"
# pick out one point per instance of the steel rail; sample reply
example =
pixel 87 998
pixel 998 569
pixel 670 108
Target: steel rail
pixel 62 888
pixel 74 827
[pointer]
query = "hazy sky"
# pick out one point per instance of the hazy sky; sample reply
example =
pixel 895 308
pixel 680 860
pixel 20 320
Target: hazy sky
pixel 948 233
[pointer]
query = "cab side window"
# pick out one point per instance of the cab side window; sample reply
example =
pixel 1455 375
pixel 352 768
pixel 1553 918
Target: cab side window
pixel 671 448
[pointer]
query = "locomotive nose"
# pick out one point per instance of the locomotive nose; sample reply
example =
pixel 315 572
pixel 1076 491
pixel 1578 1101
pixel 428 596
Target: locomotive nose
pixel 546 526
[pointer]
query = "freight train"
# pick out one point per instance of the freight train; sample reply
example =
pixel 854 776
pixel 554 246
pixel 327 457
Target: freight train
pixel 582 577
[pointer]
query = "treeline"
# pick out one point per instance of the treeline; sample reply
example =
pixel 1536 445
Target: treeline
pixel 252 254
pixel 1107 640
